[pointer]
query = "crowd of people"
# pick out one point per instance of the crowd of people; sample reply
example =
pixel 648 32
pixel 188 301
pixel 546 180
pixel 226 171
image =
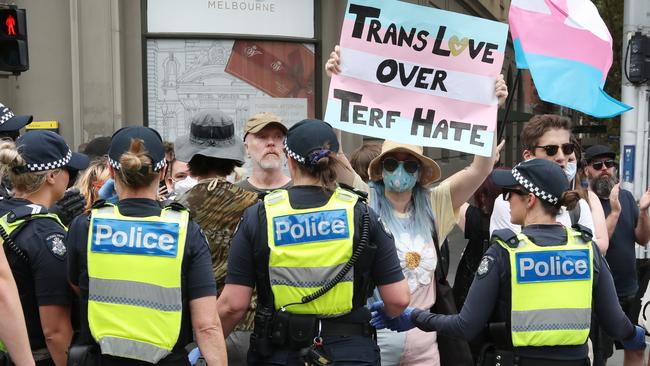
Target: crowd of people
pixel 140 251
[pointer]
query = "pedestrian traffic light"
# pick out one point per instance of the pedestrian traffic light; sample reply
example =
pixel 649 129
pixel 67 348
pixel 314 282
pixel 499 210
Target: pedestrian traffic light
pixel 13 40
pixel 639 54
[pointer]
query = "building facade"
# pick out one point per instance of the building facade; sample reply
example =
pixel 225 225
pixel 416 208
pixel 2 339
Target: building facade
pixel 95 66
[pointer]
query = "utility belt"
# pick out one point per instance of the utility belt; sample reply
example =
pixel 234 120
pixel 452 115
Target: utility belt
pixel 296 331
pixel 496 357
pixel 499 352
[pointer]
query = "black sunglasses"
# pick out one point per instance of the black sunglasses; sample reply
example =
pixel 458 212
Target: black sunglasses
pixel 507 193
pixel 551 150
pixel 411 166
pixel 599 164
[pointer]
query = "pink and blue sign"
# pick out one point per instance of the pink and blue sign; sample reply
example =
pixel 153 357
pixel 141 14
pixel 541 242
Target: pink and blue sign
pixel 568 50
pixel 418 75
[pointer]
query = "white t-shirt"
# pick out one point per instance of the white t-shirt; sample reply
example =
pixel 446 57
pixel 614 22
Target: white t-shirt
pixel 500 218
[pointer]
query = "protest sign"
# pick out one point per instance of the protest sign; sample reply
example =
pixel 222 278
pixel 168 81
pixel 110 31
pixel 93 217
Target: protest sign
pixel 417 75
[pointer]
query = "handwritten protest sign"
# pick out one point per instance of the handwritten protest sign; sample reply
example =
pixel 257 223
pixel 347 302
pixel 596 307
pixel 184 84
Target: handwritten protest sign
pixel 417 75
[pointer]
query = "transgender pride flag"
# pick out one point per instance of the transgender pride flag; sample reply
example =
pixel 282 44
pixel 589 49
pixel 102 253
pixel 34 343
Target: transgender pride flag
pixel 568 50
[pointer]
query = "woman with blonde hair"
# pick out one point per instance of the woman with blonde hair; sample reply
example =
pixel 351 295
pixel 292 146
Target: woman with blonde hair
pixel 39 165
pixel 91 180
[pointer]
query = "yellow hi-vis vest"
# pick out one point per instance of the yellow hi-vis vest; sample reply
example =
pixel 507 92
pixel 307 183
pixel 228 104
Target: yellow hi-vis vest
pixel 308 247
pixel 551 292
pixel 10 227
pixel 134 272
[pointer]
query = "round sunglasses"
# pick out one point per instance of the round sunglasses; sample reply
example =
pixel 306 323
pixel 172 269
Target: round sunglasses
pixel 411 166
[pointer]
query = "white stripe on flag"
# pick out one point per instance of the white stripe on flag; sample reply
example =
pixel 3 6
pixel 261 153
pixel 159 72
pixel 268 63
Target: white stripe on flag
pixel 460 85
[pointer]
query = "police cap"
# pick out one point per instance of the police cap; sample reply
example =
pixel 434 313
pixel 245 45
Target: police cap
pixel 544 178
pixel 45 150
pixel 121 142
pixel 310 140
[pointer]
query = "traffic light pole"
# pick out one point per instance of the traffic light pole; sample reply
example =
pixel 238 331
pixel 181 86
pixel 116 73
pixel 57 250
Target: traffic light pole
pixel 634 142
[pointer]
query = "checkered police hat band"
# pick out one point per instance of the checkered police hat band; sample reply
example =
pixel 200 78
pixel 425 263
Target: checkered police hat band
pixel 156 168
pixel 293 154
pixel 5 115
pixel 532 188
pixel 38 167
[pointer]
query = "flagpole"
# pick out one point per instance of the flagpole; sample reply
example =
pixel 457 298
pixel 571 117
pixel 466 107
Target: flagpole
pixel 511 97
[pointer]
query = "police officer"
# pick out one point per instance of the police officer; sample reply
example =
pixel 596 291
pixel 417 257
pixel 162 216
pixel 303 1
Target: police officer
pixel 536 287
pixel 143 271
pixel 311 251
pixel 10 125
pixel 39 165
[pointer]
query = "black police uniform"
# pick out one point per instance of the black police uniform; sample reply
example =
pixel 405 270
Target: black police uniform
pixel 197 277
pixel 40 277
pixel 248 266
pixel 489 299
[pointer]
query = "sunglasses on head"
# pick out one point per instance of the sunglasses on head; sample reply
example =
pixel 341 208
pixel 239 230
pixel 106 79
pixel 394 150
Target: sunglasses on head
pixel 598 165
pixel 411 166
pixel 551 150
pixel 508 192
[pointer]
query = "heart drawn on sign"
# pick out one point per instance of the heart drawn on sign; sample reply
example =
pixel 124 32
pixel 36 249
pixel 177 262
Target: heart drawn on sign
pixel 457 46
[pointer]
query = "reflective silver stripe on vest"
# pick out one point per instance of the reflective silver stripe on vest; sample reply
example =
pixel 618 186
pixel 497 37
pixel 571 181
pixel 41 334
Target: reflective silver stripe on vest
pixel 551 319
pixel 132 349
pixel 135 293
pixel 307 276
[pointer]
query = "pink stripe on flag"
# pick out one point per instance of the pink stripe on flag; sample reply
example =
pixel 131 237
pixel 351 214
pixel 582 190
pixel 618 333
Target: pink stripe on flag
pixel 545 35
pixel 394 99
pixel 462 62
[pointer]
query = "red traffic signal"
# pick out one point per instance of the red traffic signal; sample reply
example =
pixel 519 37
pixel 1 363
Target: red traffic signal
pixel 13 40
pixel 12 23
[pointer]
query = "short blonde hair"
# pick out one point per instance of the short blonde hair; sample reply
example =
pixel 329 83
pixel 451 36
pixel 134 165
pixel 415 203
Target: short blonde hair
pixel 12 165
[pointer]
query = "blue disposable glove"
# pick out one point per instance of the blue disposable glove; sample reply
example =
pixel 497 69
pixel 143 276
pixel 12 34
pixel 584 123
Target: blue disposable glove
pixel 403 322
pixel 380 320
pixel 107 192
pixel 194 356
pixel 637 341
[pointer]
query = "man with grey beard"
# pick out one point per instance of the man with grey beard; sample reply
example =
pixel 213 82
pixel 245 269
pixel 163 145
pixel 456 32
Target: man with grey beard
pixel 627 224
pixel 264 141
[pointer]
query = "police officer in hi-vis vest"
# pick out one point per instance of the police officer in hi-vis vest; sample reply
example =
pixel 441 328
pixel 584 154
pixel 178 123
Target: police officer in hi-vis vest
pixel 40 166
pixel 143 271
pixel 537 289
pixel 314 252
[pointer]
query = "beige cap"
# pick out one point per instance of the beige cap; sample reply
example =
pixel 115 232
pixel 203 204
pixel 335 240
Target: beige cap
pixel 429 173
pixel 256 123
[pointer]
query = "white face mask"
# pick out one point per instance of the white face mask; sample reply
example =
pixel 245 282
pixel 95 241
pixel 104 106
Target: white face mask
pixel 184 185
pixel 570 171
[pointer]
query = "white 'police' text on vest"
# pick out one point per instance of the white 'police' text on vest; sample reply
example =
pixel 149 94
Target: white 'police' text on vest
pixel 134 237
pixel 550 266
pixel 310 227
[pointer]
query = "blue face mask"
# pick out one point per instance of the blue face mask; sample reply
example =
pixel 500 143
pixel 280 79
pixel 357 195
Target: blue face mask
pixel 399 180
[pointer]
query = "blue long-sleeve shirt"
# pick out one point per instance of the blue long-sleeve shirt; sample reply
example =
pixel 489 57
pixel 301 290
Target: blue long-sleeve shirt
pixel 488 300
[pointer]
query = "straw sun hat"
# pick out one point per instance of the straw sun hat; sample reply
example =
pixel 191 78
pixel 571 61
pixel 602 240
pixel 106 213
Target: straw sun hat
pixel 429 169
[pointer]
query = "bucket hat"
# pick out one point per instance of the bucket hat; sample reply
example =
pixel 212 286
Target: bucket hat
pixel 429 169
pixel 212 134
